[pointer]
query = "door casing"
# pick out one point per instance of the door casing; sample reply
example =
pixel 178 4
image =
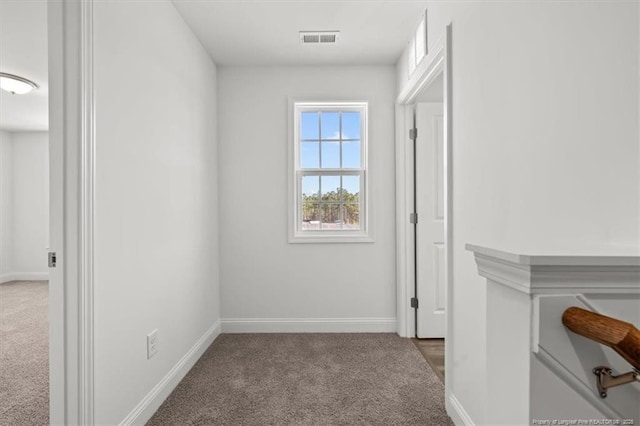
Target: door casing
pixel 72 142
pixel 438 61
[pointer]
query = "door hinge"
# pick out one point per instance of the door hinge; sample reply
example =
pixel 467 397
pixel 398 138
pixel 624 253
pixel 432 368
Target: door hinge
pixel 414 302
pixel 413 218
pixel 413 134
pixel 52 259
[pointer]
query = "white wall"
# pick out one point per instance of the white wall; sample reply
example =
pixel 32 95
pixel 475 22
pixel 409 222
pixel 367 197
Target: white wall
pixel 546 151
pixel 156 242
pixel 6 206
pixel 31 204
pixel 25 206
pixel 263 277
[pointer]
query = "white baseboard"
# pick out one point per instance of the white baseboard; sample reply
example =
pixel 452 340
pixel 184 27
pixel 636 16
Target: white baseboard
pixel 456 411
pixel 24 276
pixel 308 325
pixel 150 403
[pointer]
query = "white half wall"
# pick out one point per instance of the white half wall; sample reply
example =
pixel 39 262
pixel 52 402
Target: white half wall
pixel 25 206
pixel 545 145
pixel 156 218
pixel 6 206
pixel 268 284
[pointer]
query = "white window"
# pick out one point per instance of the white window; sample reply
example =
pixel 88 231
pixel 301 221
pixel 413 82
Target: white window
pixel 329 191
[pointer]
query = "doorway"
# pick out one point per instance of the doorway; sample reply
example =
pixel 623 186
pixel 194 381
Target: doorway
pixel 424 209
pixel 429 241
pixel 24 213
pixel 429 244
pixel 54 27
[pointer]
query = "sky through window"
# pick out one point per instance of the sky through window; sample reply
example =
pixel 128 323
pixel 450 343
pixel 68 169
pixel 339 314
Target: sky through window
pixel 330 140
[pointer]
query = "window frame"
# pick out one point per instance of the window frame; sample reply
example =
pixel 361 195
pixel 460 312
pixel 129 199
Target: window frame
pixel 296 173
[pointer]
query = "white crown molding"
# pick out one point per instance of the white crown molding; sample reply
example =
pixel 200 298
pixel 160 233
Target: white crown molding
pixel 559 274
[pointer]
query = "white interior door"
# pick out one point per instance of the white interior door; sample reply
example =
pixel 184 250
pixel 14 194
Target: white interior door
pixel 430 241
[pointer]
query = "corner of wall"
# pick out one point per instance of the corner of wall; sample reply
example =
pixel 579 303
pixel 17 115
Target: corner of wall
pixel 152 401
pixel 456 411
pixel 6 201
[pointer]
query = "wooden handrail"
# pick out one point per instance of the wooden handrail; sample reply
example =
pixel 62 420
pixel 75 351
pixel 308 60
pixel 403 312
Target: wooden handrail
pixel 622 337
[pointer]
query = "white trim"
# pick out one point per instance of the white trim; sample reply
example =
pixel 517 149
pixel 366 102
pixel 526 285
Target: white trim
pixel 404 206
pixel 456 411
pixel 296 235
pixel 62 368
pixel 548 275
pixel 331 238
pixel 86 202
pixel 308 325
pixel 24 276
pixel 556 260
pixel 152 401
pixel 291 175
pixel 437 61
pixel 70 124
pixel 404 244
pixel 430 67
pixel 448 205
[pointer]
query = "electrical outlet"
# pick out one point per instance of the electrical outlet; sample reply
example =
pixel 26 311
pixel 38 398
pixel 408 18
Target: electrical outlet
pixel 152 343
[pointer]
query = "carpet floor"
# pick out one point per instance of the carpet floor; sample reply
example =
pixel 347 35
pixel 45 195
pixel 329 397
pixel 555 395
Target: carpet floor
pixel 24 353
pixel 307 379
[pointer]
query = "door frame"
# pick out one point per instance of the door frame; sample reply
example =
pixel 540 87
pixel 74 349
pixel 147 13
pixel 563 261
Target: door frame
pixel 438 61
pixel 72 148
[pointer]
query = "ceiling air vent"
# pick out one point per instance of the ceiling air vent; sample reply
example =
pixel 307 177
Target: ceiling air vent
pixel 319 37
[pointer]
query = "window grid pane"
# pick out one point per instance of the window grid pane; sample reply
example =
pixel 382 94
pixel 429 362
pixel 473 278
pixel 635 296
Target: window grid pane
pixel 350 154
pixel 337 148
pixel 330 154
pixel 309 126
pixel 330 128
pixel 310 216
pixel 331 158
pixel 310 154
pixel 351 216
pixel 331 201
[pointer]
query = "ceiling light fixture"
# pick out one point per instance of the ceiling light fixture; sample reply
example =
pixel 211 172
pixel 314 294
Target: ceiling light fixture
pixel 16 85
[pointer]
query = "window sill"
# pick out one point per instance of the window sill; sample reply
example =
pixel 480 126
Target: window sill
pixel 317 238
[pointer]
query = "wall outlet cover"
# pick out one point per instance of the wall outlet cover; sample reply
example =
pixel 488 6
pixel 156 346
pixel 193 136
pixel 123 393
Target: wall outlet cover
pixel 152 343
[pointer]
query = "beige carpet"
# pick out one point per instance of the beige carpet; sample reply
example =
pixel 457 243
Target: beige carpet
pixel 307 379
pixel 24 353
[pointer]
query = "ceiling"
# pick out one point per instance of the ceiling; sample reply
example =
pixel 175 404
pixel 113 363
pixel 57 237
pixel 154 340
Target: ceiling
pixel 234 32
pixel 23 51
pixel 265 32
